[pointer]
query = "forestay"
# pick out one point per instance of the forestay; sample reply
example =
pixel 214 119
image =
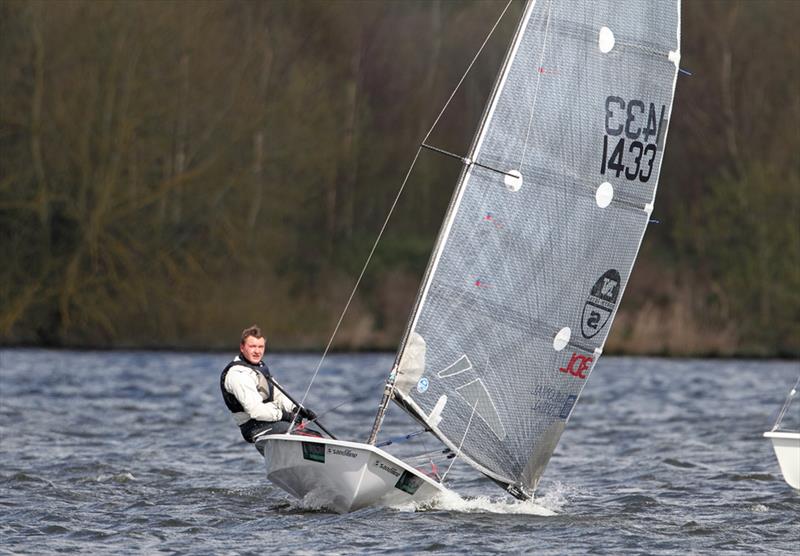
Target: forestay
pixel 528 272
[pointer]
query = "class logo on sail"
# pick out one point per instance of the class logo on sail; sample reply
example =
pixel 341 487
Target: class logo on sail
pixel 600 303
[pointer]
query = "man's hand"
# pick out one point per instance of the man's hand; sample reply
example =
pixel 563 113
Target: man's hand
pixel 289 416
pixel 307 414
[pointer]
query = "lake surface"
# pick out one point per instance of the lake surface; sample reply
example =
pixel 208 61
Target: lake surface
pixel 109 452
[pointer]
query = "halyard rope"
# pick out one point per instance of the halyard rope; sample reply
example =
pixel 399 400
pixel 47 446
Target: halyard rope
pixel 787 403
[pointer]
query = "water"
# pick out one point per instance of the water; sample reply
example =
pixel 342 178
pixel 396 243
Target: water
pixel 109 452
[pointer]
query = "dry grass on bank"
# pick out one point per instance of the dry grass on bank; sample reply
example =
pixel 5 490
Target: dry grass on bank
pixel 664 315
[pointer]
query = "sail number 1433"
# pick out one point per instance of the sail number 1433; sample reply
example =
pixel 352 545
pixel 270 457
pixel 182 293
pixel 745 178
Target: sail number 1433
pixel 636 128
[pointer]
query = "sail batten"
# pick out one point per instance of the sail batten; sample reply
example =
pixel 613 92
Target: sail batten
pixel 529 268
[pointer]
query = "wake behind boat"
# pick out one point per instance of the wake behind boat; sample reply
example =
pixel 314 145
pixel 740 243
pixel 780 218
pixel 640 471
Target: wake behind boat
pixel 532 260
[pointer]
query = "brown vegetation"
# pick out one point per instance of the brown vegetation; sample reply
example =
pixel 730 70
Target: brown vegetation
pixel 171 171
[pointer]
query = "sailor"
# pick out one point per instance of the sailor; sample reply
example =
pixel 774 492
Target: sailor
pixel 258 406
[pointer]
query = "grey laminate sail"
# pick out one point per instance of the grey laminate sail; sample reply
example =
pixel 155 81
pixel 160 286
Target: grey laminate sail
pixel 528 272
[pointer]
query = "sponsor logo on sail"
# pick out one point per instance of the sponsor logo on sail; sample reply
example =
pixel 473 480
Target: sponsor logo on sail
pixel 577 366
pixel 552 402
pixel 600 303
pixel 566 409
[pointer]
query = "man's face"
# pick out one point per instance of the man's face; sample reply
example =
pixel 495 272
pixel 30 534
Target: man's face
pixel 253 349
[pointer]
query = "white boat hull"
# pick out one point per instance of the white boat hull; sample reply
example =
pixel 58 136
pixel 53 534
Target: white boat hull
pixel 787 450
pixel 343 476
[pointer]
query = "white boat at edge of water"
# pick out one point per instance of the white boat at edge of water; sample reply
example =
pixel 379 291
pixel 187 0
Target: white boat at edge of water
pixel 786 444
pixel 787 450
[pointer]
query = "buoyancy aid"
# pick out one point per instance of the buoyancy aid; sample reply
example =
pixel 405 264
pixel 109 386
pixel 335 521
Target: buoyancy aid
pixel 264 387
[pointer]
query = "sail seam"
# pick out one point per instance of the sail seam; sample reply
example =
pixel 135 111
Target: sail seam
pixel 656 53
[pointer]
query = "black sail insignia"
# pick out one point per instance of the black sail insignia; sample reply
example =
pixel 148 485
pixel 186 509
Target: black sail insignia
pixel 600 303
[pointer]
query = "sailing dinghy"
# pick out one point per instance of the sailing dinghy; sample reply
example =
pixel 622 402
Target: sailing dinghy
pixel 532 259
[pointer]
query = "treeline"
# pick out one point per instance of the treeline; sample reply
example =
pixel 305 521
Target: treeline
pixel 173 171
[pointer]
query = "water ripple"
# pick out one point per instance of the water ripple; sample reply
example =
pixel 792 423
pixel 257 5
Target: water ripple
pixel 134 452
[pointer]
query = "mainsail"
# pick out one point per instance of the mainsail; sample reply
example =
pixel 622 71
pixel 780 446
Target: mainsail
pixel 531 263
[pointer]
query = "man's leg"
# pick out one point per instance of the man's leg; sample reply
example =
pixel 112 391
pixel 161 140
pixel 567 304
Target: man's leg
pixel 261 429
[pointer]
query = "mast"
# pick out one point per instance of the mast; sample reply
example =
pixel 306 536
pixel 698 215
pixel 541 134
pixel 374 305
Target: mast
pixel 388 390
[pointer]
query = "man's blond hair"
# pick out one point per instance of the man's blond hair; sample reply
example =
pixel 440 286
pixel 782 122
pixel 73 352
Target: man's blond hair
pixel 253 331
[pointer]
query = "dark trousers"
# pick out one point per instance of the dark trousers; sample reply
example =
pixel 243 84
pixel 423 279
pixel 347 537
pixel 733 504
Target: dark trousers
pixel 252 428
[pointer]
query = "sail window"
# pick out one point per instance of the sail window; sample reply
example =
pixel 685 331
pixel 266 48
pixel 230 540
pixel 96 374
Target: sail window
pixel 478 398
pixel 513 180
pixel 606 41
pixel 604 194
pixel 562 338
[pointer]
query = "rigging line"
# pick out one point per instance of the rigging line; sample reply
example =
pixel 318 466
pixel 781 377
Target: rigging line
pixel 334 408
pixel 465 160
pixel 463 438
pixel 429 455
pixel 353 400
pixel 402 438
pixel 786 404
pixel 472 63
pixel 358 281
pixel 536 91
